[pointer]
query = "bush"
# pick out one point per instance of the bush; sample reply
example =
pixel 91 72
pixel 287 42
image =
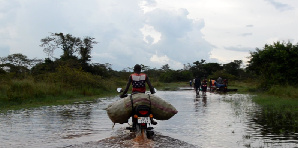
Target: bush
pixel 275 64
pixel 223 75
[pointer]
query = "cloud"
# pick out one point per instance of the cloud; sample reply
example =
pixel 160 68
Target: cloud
pixel 149 32
pixel 181 37
pixel 171 24
pixel 279 6
pixel 246 34
pixel 164 37
pixel 239 48
pixel 162 60
pixel 126 35
pixel 151 36
pixel 149 3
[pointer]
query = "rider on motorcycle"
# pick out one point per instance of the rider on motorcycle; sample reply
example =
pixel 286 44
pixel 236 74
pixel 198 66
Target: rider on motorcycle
pixel 138 80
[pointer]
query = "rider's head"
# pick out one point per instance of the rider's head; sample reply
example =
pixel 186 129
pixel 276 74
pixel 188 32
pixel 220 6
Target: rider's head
pixel 137 68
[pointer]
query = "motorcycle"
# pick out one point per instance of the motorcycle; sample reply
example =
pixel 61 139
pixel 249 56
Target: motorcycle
pixel 142 118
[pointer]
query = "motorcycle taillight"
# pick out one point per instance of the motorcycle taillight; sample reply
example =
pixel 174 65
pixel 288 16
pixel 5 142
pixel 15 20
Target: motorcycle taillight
pixel 143 112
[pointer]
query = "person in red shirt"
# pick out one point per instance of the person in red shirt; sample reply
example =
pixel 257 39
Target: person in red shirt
pixel 138 81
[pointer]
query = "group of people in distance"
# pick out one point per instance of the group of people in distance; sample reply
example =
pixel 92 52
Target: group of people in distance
pixel 197 83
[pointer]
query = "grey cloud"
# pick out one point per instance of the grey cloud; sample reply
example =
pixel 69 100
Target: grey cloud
pixel 150 39
pixel 249 25
pixel 150 3
pixel 181 38
pixel 114 24
pixel 170 24
pixel 279 6
pixel 246 34
pixel 239 48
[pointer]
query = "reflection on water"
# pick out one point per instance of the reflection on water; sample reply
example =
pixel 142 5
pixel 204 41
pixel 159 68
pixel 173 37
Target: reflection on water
pixel 214 120
pixel 219 120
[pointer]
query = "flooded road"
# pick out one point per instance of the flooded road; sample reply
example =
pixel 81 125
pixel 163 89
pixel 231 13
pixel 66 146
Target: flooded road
pixel 211 121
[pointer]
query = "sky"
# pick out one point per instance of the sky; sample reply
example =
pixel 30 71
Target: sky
pixel 150 32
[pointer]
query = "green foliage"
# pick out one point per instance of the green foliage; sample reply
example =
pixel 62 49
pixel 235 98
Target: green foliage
pixel 233 68
pixel 175 76
pixel 283 91
pixel 279 113
pixel 198 69
pixel 210 68
pixel 65 82
pixel 275 64
pixel 24 80
pixel 223 74
pixel 17 64
pixel 70 45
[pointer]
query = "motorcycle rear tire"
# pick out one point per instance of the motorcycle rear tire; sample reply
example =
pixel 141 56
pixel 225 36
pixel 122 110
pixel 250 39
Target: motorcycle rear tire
pixel 149 134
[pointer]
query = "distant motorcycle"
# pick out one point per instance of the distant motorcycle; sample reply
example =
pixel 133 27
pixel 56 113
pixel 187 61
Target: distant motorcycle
pixel 142 119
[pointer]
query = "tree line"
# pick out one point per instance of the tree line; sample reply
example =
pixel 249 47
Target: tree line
pixel 275 64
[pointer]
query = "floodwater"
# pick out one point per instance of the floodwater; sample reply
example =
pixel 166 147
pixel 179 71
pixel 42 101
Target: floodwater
pixel 211 121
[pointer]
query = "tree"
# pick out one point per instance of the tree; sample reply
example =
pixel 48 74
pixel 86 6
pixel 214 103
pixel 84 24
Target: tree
pixel 18 63
pixel 198 68
pixel 165 67
pixel 86 47
pixel 187 66
pixel 144 68
pixel 70 45
pixel 275 64
pixel 210 68
pixel 46 67
pixel 233 68
pixel 67 43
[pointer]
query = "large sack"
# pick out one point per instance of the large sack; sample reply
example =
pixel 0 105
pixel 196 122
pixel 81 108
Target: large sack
pixel 120 111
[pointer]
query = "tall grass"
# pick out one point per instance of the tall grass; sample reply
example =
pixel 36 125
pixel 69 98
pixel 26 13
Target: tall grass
pixel 65 84
pixel 283 91
pixel 279 109
pixel 279 105
pixel 244 87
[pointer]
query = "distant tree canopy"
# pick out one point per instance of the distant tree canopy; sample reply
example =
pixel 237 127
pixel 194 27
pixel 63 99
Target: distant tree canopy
pixel 275 64
pixel 70 45
pixel 18 64
pixel 76 54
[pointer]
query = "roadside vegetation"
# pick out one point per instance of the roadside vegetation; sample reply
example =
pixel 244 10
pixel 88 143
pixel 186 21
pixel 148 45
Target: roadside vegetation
pixel 271 74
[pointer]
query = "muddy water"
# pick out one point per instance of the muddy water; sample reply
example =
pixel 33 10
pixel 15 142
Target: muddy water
pixel 211 121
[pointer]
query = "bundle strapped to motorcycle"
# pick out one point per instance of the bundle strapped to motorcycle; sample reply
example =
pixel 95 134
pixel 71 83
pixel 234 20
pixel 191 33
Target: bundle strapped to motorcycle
pixel 131 99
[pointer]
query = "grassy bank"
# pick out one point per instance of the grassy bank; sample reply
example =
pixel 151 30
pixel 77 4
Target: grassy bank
pixel 45 91
pixel 279 106
pixel 280 113
pixel 27 93
pixel 65 86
